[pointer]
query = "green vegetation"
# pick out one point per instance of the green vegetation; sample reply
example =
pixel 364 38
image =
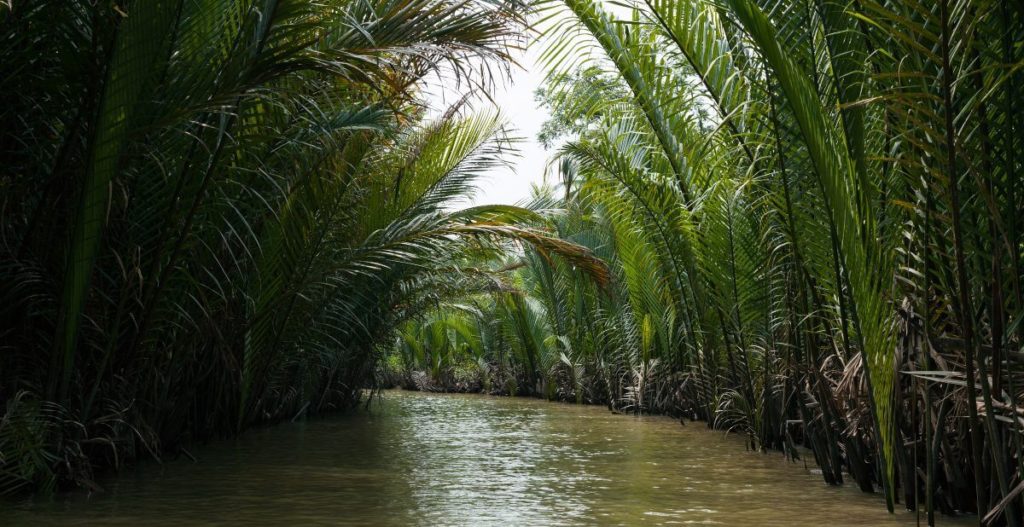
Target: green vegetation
pixel 812 214
pixel 213 210
pixel 800 220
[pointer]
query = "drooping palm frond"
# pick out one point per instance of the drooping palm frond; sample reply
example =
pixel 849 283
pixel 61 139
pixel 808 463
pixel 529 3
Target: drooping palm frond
pixel 840 162
pixel 201 231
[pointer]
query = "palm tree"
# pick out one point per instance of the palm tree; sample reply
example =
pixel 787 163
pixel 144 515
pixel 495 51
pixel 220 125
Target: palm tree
pixel 215 211
pixel 810 210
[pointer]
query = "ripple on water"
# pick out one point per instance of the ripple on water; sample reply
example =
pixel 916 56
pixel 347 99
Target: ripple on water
pixel 432 459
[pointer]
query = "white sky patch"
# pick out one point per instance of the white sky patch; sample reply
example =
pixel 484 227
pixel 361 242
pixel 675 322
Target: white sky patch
pixel 525 116
pixel 514 98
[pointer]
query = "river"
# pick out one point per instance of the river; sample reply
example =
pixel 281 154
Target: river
pixel 436 459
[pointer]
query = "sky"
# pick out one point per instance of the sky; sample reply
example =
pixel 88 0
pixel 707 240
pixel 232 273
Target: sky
pixel 525 116
pixel 515 101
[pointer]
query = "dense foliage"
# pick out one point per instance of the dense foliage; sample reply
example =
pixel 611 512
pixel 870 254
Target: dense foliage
pixel 812 210
pixel 797 219
pixel 213 210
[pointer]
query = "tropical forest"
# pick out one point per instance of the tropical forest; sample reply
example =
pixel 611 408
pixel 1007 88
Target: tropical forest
pixel 512 262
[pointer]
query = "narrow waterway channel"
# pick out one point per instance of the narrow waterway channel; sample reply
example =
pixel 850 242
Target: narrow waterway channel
pixel 434 459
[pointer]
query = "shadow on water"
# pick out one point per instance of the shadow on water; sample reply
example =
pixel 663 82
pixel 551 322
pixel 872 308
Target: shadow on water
pixel 432 459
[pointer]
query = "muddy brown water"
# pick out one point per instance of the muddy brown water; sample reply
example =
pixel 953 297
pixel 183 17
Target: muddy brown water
pixel 435 459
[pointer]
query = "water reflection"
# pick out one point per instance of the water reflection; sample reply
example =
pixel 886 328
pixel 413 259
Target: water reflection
pixel 422 459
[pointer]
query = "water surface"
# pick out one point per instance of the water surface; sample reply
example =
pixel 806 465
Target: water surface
pixel 432 459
